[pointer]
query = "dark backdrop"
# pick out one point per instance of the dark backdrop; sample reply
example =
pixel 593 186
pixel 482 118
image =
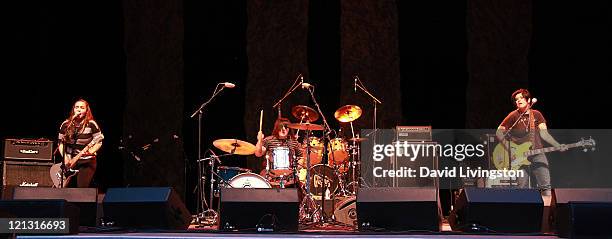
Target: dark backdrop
pixel 146 67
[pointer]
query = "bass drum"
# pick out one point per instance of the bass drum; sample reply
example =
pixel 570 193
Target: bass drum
pixel 249 180
pixel 346 211
pixel 323 178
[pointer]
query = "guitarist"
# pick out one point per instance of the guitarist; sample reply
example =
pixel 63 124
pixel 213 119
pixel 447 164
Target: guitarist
pixel 75 135
pixel 528 125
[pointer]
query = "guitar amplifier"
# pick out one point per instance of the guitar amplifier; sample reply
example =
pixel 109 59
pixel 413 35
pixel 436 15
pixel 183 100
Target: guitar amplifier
pixel 413 133
pixel 26 174
pixel 28 149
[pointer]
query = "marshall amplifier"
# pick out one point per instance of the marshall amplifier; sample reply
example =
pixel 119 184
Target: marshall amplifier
pixel 26 174
pixel 413 133
pixel 28 149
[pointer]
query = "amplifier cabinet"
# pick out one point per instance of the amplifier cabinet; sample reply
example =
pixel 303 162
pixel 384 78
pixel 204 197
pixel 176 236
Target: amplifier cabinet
pixel 27 174
pixel 27 149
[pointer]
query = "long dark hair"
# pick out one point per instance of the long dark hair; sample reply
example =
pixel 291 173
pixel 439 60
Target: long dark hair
pixel 279 124
pixel 72 130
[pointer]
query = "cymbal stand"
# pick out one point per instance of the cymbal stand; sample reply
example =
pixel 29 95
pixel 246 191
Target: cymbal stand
pixel 354 165
pixel 209 216
pixel 308 207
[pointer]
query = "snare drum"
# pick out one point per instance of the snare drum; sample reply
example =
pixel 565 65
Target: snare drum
pixel 280 161
pixel 319 174
pixel 249 180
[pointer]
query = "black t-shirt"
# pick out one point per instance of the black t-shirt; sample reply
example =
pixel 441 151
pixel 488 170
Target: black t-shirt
pixel 521 131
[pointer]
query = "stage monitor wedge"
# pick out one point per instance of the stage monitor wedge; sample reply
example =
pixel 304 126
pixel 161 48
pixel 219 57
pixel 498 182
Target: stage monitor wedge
pixel 259 209
pixel 500 210
pixel 49 208
pixel 398 209
pixel 84 198
pixel 146 207
pixel 584 202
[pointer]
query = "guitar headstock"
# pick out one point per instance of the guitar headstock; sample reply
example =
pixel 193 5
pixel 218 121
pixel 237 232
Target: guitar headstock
pixel 587 144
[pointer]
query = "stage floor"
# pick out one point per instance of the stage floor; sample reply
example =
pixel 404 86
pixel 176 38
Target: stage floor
pixel 148 235
pixel 327 233
pixel 318 231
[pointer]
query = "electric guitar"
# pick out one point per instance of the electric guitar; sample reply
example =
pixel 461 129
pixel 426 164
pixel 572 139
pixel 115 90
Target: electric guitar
pixel 64 174
pixel 520 153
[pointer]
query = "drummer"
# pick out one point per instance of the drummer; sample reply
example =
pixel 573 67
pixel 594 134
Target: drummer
pixel 281 136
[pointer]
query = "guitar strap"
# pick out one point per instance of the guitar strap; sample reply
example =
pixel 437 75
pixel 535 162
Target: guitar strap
pixel 532 128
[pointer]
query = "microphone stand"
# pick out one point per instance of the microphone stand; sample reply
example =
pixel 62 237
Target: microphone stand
pixel 293 87
pixel 374 99
pixel 326 139
pixel 202 178
pixel 507 134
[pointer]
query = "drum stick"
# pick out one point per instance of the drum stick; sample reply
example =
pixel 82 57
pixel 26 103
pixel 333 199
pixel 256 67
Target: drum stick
pixel 260 119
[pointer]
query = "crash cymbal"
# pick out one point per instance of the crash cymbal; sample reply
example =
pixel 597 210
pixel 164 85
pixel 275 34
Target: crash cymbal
pixel 310 115
pixel 348 113
pixel 306 126
pixel 235 146
pixel 357 139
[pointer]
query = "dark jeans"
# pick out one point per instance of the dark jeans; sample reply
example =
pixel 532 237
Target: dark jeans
pixel 87 169
pixel 539 171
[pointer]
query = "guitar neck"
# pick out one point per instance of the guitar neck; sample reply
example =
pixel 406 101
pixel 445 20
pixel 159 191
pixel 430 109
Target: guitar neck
pixel 551 149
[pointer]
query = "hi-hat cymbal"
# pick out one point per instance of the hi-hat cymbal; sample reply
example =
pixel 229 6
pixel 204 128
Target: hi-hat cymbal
pixel 306 126
pixel 234 146
pixel 348 113
pixel 309 114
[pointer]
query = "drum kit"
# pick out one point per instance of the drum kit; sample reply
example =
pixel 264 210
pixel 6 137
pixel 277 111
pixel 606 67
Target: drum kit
pixel 317 177
pixel 327 168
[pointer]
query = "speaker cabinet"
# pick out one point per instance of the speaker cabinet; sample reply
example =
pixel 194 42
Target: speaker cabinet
pixel 33 174
pixel 84 198
pixel 398 209
pixel 260 209
pixel 146 207
pixel 51 208
pixel 428 160
pixel 498 210
pixel 563 197
pixel 590 219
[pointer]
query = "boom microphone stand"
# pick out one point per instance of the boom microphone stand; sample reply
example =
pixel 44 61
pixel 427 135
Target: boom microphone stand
pixel 293 87
pixel 327 130
pixel 201 178
pixel 375 101
pixel 507 134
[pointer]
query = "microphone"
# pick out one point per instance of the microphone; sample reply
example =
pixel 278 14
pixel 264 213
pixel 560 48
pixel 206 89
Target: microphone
pixel 75 116
pixel 355 84
pixel 228 85
pixel 306 85
pixel 533 101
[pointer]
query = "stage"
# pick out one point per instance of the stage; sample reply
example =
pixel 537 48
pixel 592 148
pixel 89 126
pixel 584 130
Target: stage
pixel 274 236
